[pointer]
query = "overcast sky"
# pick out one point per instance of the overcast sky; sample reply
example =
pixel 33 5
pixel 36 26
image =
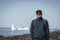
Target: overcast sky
pixel 22 12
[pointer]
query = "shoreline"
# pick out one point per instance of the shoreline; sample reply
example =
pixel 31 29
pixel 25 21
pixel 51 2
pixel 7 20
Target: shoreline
pixel 53 36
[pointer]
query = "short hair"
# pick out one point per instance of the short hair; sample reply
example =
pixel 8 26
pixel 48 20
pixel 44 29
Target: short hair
pixel 39 11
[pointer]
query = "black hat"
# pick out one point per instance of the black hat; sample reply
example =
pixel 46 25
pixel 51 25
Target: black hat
pixel 39 12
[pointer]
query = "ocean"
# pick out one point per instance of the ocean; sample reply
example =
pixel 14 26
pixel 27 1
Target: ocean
pixel 8 32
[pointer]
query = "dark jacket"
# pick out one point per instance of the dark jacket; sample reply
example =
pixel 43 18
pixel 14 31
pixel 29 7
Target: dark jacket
pixel 39 28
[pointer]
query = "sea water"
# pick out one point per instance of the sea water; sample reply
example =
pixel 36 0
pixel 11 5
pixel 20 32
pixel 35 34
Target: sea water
pixel 9 32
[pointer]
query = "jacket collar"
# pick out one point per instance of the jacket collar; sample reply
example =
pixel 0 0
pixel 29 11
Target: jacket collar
pixel 40 18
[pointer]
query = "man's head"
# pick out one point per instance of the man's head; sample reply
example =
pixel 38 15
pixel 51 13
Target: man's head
pixel 39 13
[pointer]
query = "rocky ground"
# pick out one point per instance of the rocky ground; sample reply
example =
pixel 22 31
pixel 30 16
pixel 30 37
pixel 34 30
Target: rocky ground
pixel 53 36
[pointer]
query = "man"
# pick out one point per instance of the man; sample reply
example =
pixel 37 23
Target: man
pixel 39 27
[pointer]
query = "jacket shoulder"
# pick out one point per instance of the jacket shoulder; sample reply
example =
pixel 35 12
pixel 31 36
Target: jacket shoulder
pixel 33 20
pixel 45 21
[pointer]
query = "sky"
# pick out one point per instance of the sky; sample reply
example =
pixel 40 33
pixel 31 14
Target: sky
pixel 22 12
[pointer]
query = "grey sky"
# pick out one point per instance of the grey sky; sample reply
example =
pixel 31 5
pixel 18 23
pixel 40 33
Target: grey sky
pixel 22 12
